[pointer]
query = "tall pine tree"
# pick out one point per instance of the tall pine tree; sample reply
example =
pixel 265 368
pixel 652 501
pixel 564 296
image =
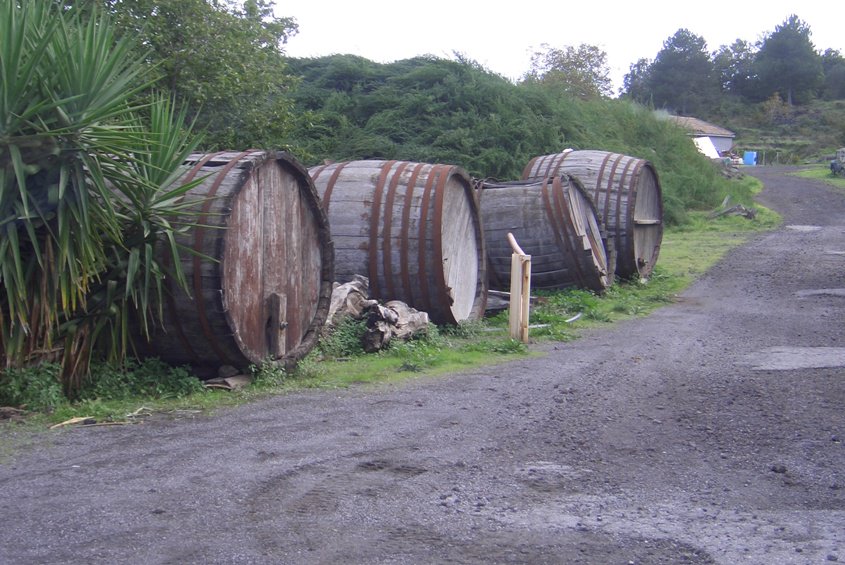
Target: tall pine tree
pixel 788 63
pixel 682 77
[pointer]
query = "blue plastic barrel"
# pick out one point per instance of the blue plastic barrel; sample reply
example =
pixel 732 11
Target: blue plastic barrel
pixel 749 158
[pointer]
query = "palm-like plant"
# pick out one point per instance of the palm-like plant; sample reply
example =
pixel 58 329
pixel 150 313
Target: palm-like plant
pixel 89 188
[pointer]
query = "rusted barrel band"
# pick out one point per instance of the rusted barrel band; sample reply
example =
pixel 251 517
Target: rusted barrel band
pixel 375 220
pixel 405 231
pixel 631 196
pixel 421 242
pixel 199 236
pixel 387 255
pixel 327 196
pixel 168 260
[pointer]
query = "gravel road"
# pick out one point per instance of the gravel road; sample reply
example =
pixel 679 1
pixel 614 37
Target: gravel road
pixel 709 432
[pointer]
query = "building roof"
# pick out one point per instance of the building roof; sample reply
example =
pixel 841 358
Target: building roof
pixel 698 127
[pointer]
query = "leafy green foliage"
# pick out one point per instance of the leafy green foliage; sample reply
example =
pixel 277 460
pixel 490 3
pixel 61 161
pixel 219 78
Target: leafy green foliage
pixel 36 387
pixel 345 339
pixel 833 66
pixel 784 64
pixel 221 59
pixel 268 374
pixel 578 71
pixel 498 346
pixel 635 83
pixel 734 65
pixel 419 353
pixel 151 378
pixel 435 110
pixel 682 77
pixel 88 187
pixel 423 109
pixel 567 304
pixel 788 63
pixel 466 329
pixel 39 387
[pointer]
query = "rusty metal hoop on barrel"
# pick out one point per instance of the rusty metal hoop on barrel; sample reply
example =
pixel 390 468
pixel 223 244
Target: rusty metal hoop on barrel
pixel 413 229
pixel 258 260
pixel 556 223
pixel 627 194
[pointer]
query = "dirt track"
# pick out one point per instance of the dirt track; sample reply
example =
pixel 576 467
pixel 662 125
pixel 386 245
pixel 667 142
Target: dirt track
pixel 709 432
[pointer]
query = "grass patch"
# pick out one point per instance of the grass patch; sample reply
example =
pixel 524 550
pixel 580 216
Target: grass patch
pixel 685 254
pixel 437 351
pixel 822 173
pixel 142 389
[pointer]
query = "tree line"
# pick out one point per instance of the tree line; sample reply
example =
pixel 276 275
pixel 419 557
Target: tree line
pixel 685 78
pixel 784 68
pixel 225 60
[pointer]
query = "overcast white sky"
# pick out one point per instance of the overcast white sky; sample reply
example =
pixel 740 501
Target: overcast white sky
pixel 502 35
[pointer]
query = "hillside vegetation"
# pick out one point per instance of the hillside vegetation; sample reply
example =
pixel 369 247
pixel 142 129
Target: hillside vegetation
pixel 456 112
pixel 782 134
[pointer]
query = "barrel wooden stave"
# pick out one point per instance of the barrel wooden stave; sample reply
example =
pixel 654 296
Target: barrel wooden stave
pixel 627 194
pixel 413 229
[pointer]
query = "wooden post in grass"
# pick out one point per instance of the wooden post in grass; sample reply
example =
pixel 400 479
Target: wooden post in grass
pixel 520 291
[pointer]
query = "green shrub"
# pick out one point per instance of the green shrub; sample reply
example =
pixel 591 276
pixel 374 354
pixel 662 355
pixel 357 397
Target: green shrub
pixel 268 374
pixel 150 378
pixel 572 301
pixel 415 354
pixel 345 339
pixel 90 187
pixel 35 388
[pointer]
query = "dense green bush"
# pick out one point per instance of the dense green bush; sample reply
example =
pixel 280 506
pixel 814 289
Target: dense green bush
pixel 151 378
pixel 435 110
pixel 87 192
pixel 345 339
pixel 39 388
pixel 36 387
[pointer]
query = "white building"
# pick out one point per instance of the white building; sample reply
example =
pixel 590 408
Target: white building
pixel 720 138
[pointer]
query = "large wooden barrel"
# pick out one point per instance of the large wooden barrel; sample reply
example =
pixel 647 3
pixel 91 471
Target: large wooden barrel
pixel 261 270
pixel 627 194
pixel 553 220
pixel 413 228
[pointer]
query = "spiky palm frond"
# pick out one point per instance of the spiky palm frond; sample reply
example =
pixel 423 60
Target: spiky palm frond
pixel 88 187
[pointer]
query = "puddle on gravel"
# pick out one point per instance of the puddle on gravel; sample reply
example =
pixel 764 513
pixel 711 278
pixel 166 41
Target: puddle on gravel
pixel 821 292
pixel 803 228
pixel 789 358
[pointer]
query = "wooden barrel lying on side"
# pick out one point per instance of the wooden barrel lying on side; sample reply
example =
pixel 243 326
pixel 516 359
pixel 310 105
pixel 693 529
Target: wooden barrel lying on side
pixel 261 280
pixel 413 228
pixel 555 222
pixel 628 198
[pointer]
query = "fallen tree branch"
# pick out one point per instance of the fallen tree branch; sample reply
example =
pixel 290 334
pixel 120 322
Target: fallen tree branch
pixel 736 210
pixel 88 422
